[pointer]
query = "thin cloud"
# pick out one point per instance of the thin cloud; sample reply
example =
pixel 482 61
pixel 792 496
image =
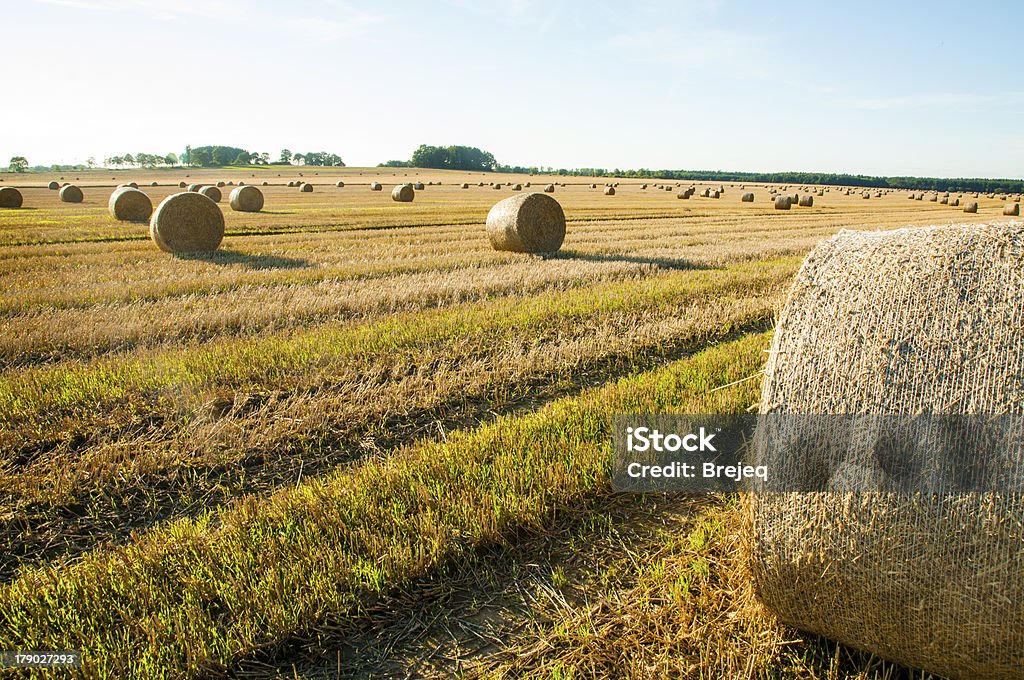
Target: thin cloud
pixel 924 100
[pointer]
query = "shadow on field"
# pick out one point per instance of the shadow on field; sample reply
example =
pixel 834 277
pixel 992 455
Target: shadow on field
pixel 661 262
pixel 230 257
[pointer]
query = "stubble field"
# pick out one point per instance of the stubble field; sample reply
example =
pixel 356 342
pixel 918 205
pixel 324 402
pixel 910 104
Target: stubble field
pixel 356 441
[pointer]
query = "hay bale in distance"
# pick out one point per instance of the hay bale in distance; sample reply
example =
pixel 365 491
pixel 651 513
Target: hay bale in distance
pixel 182 185
pixel 418 186
pixel 153 183
pixel 782 202
pixel 53 185
pixel 195 187
pixel 71 194
pixel 911 321
pixel 221 183
pixel 212 193
pixel 187 223
pixel 517 187
pixel 496 186
pixel 246 199
pixel 130 205
pixel 526 223
pixel 549 188
pixel 747 197
pixel 306 188
pixel 970 206
pixel 403 193
pixel 609 191
pixel 10 197
pixel 340 185
pixel 375 186
pixel 807 200
pixel 684 194
pixel 1011 209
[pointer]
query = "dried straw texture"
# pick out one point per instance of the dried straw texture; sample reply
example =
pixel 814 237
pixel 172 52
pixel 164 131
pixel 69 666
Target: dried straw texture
pixel 246 199
pixel 130 205
pixel 782 203
pixel 917 320
pixel 212 193
pixel 684 194
pixel 10 197
pixel 403 193
pixel 1011 209
pixel 970 206
pixel 69 193
pixel 526 223
pixel 187 223
pixel 807 200
pixel 747 198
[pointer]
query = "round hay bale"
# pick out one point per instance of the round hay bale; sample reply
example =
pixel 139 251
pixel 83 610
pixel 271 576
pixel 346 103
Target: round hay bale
pixel 187 223
pixel 130 205
pixel 517 187
pixel 549 188
pixel 195 187
pixel 480 184
pixel 684 194
pixel 747 197
pixel 403 193
pixel 609 191
pixel 497 186
pixel 375 186
pixel 527 185
pixel 944 200
pixel 10 197
pixel 526 223
pixel 933 198
pixel 807 200
pixel 782 203
pixel 246 199
pixel 643 186
pixel 212 193
pixel 340 185
pixel 182 185
pixel 133 185
pixel 911 321
pixel 970 206
pixel 71 194
pixel 418 186
pixel 955 202
pixel 1011 209
pixel 716 194
pixel 240 183
pixel 265 183
pixel 53 185
pixel 291 183
pixel 465 185
pixel 153 184
pixel 593 186
pixel 306 188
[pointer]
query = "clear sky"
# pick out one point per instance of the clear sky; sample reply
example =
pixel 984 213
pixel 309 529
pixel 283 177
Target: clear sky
pixel 919 88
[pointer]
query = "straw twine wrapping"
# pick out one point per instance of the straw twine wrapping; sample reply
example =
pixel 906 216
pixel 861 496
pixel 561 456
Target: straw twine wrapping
pixel 403 193
pixel 71 194
pixel 130 205
pixel 526 223
pixel 212 193
pixel 10 197
pixel 917 320
pixel 246 199
pixel 187 223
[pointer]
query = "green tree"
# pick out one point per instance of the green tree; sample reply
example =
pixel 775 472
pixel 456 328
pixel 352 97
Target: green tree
pixel 91 162
pixel 201 157
pixel 286 156
pixel 243 158
pixel 171 159
pixel 18 164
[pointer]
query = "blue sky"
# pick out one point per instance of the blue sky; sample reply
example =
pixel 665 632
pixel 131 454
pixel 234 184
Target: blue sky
pixel 880 88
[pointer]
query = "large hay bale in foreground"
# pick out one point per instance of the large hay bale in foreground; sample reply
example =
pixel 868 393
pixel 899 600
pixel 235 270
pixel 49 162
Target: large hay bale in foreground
pixel 212 193
pixel 69 193
pixel 1012 209
pixel 403 193
pixel 526 223
pixel 10 197
pixel 918 320
pixel 783 203
pixel 187 223
pixel 130 205
pixel 246 199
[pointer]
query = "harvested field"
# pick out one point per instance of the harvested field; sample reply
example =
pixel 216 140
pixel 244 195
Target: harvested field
pixel 246 462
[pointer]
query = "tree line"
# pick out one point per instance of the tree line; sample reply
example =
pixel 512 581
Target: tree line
pixel 467 158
